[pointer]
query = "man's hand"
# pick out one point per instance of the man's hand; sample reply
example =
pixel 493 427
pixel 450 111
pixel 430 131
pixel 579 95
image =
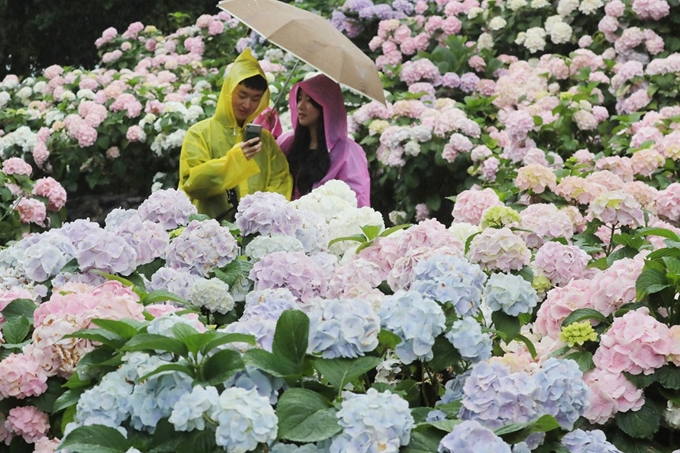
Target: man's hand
pixel 251 147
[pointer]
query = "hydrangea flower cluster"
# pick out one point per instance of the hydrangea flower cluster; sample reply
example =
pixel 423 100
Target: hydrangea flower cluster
pixel 177 281
pixel 245 419
pixel 266 244
pixel 416 319
pixel 373 422
pixel 148 239
pixel 22 377
pixel 499 249
pixel 578 333
pixel 617 208
pixel 28 422
pixel 510 293
pixel 202 246
pixel 471 204
pixel 107 403
pixel 170 208
pixel 267 213
pixel 292 270
pixel 155 399
pixel 342 328
pixel 561 391
pixel 499 217
pixel 188 414
pixel 212 294
pixel 469 436
pixel 450 279
pixel 561 263
pixel 103 250
pixel 466 335
pixel 580 441
pixel 610 393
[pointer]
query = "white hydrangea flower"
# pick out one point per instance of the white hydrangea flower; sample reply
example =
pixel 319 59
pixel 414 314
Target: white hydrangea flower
pixel 588 7
pixel 349 222
pixel 566 7
pixel 497 23
pixel 266 244
pixel 485 41
pixel 535 39
pixel 514 5
pixel 212 294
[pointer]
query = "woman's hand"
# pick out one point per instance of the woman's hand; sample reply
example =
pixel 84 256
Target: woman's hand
pixel 251 147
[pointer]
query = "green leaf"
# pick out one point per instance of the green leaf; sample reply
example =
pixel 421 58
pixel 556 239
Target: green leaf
pixel 291 338
pixel 391 230
pixel 445 355
pixel 389 339
pixel 641 424
pixel 660 253
pixel 527 274
pixel 197 441
pixel 600 263
pixel 16 329
pixel 306 416
pixel 582 314
pixel 641 380
pixel 159 295
pixel 221 366
pixel 444 425
pixel 672 264
pixel 124 328
pixel 266 361
pixel 117 278
pixel 182 331
pixel 45 402
pixel 230 273
pixel 147 270
pixel 20 307
pixel 649 280
pixel 584 360
pixel 165 368
pixel 508 325
pixel 356 238
pixel 530 346
pixel 657 232
pixel 67 399
pixel 225 338
pixel 102 336
pixel 340 371
pixel 148 341
pixel 371 231
pixel 668 376
pixel 423 441
pixel 95 439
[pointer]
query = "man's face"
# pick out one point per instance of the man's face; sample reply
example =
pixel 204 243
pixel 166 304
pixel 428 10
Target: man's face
pixel 244 102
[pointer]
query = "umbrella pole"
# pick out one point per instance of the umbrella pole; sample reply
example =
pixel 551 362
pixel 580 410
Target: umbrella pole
pixel 285 84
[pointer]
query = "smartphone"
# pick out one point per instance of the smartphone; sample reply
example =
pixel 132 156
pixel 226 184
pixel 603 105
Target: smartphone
pixel 252 131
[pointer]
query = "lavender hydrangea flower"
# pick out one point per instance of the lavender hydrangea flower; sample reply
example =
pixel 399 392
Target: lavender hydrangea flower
pixel 510 293
pixel 176 281
pixel 149 239
pixel 373 422
pixel 292 270
pixel 471 437
pixel 343 328
pixel 416 319
pixel 201 247
pixel 466 335
pixel 245 419
pixel 450 279
pixel 169 208
pixel 313 232
pixel 103 250
pixel 454 388
pixel 212 294
pixel 77 230
pixel 262 329
pixel 268 303
pixel 595 441
pixel 468 82
pixel 188 413
pixel 117 216
pixel 45 258
pixel 562 391
pixel 266 213
pixel 266 244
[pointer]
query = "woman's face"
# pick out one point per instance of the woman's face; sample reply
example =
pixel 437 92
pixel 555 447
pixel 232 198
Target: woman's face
pixel 308 115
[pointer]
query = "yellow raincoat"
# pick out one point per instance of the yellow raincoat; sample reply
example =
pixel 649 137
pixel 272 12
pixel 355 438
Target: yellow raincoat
pixel 212 162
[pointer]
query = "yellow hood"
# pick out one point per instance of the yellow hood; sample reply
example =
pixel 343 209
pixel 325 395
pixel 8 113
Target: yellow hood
pixel 244 66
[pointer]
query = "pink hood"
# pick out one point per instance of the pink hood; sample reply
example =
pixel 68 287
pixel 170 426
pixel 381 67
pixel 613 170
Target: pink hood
pixel 348 160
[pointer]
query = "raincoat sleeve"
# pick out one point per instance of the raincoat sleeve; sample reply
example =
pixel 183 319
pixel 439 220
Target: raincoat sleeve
pixel 280 180
pixel 353 170
pixel 202 176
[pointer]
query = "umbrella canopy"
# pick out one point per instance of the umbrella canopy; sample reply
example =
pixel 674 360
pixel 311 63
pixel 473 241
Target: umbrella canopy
pixel 313 39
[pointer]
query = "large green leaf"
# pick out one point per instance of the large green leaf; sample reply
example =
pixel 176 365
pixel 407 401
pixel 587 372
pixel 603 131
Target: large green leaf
pixel 291 339
pixel 668 376
pixel 340 372
pixel 306 416
pixel 124 328
pixel 266 361
pixel 444 354
pixel 583 314
pixel 95 439
pixel 19 307
pixel 67 399
pixel 157 296
pixel 650 281
pixel 584 360
pixel 423 441
pixel 102 336
pixel 148 341
pixel 16 329
pixel 641 424
pixel 233 271
pixel 508 326
pixel 168 367
pixel 221 366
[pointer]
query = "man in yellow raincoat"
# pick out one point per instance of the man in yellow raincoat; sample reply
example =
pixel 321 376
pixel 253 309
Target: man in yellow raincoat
pixel 214 158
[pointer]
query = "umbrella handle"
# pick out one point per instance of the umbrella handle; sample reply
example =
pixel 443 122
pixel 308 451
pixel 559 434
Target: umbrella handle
pixel 290 74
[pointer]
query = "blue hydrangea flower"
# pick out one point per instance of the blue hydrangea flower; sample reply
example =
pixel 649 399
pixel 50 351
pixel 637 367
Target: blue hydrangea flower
pixel 416 319
pixel 187 415
pixel 292 448
pixel 466 335
pixel 155 398
pixel 245 419
pixel 435 416
pixel 471 437
pixel 162 325
pixel 454 388
pixel 201 247
pixel 109 400
pixel 46 257
pixel 579 441
pixel 373 422
pixel 343 328
pixel 562 391
pixel 176 281
pixel 510 293
pixel 450 279
pixel 251 378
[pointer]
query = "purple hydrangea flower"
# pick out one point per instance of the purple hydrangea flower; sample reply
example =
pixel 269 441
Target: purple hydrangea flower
pixel 45 258
pixel 149 239
pixel 580 441
pixel 202 246
pixel 562 391
pixel 471 437
pixel 292 270
pixel 176 281
pixel 103 250
pixel 170 208
pixel 267 213
pixel 468 82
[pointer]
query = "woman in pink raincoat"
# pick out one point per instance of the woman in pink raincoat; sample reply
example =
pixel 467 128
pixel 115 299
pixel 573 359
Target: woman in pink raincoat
pixel 320 149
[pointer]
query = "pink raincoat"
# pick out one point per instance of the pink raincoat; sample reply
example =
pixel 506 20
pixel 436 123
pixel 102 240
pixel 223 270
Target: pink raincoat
pixel 348 159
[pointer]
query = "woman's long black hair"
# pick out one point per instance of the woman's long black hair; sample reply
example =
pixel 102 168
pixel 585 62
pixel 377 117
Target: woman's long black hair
pixel 309 166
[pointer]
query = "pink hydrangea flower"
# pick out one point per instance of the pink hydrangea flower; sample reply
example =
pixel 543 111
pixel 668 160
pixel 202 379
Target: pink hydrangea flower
pixel 561 263
pixel 580 190
pixel 32 211
pixel 559 303
pixel 499 248
pixel 470 204
pixel 28 422
pixel 668 202
pixel 16 166
pixel 51 189
pixel 545 222
pixel 615 286
pixel 135 134
pixel 635 343
pixel 610 393
pixel 22 377
pixel 616 208
pixel 292 270
pixel 536 178
pixel 646 161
